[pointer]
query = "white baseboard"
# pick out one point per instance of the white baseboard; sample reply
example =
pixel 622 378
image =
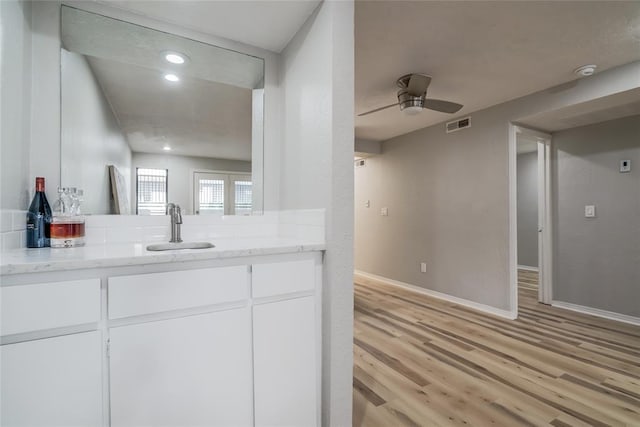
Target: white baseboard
pixel 597 312
pixel 511 315
pixel 528 268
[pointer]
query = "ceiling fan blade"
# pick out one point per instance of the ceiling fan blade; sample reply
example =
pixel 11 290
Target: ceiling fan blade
pixel 442 106
pixel 378 109
pixel 418 84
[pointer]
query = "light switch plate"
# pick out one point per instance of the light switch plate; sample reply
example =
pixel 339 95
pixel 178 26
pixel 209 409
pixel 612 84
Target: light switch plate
pixel 589 211
pixel 384 211
pixel 367 204
pixel 625 166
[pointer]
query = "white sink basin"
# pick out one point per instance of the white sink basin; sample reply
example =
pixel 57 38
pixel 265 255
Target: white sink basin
pixel 181 245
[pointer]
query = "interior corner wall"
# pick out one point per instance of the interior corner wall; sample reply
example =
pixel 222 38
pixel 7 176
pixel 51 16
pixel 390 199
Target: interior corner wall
pixel 91 137
pixel 448 197
pixel 317 72
pixel 16 184
pixel 527 171
pixel 597 260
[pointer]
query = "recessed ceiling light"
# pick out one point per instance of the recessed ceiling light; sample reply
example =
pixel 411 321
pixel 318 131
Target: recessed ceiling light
pixel 166 148
pixel 171 77
pixel 586 70
pixel 174 58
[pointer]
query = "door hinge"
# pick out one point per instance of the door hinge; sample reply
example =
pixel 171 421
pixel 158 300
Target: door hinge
pixel 108 348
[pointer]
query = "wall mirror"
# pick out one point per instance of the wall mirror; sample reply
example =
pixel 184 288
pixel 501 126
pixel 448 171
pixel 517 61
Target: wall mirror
pixel 149 118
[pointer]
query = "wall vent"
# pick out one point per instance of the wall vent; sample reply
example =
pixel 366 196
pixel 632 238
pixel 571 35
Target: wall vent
pixel 458 124
pixel 359 163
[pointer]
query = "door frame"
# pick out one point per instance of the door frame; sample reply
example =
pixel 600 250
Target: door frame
pixel 545 248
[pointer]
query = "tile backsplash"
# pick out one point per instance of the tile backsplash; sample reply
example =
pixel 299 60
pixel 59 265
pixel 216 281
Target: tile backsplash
pixel 13 225
pixel 106 229
pixel 305 224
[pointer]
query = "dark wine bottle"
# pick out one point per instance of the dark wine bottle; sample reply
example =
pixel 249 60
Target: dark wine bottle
pixel 39 219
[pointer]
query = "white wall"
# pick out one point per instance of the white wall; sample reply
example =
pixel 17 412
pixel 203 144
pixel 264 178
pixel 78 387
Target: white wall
pixel 91 137
pixel 597 260
pixel 317 161
pixel 45 90
pixel 180 174
pixel 448 197
pixel 528 209
pixel 16 184
pixel 324 180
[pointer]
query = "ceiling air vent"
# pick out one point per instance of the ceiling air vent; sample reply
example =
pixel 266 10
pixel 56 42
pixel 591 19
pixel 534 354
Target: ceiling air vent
pixel 458 124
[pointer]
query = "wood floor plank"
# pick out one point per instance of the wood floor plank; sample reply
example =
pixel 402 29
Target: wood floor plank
pixel 420 361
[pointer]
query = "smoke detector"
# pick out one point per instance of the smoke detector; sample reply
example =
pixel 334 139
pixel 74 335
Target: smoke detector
pixel 585 70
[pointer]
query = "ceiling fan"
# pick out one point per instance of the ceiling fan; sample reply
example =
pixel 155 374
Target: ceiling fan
pixel 412 97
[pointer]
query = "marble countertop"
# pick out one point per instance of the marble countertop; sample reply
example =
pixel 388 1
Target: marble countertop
pixel 22 261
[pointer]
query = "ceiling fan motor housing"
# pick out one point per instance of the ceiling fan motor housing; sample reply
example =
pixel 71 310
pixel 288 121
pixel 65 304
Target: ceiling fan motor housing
pixel 405 100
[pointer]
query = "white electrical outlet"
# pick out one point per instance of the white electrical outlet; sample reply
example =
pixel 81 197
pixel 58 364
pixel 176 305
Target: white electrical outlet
pixel 625 166
pixel 423 267
pixel 589 211
pixel 384 211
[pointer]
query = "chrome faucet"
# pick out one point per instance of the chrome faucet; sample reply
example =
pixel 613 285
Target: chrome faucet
pixel 175 214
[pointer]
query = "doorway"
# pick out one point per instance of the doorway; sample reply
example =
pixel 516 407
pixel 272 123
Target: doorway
pixel 530 210
pixel 220 193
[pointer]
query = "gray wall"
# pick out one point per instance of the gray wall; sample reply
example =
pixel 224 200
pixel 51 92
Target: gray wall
pixel 91 137
pixel 448 197
pixel 16 185
pixel 597 260
pixel 181 170
pixel 528 209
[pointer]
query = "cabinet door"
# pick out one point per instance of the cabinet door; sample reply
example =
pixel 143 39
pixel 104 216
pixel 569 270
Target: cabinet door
pixel 285 363
pixel 53 382
pixel 190 371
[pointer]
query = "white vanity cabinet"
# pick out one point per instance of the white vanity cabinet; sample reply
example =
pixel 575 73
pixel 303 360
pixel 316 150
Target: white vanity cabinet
pixel 223 342
pixel 189 371
pixel 192 368
pixel 51 372
pixel 286 342
pixel 53 381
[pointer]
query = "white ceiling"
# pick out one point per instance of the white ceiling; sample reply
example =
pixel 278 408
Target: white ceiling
pixel 194 117
pixel 623 104
pixel 480 53
pixel 208 113
pixel 266 24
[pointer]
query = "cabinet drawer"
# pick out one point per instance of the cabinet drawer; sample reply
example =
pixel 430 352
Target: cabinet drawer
pixel 27 308
pixel 175 290
pixel 282 278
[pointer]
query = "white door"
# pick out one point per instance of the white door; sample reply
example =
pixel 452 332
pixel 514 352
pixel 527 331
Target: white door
pixel 53 381
pixel 240 194
pixel 209 193
pixel 190 371
pixel 285 380
pixel 544 221
pixel 222 194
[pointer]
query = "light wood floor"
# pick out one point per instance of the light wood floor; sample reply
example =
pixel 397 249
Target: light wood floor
pixel 422 361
